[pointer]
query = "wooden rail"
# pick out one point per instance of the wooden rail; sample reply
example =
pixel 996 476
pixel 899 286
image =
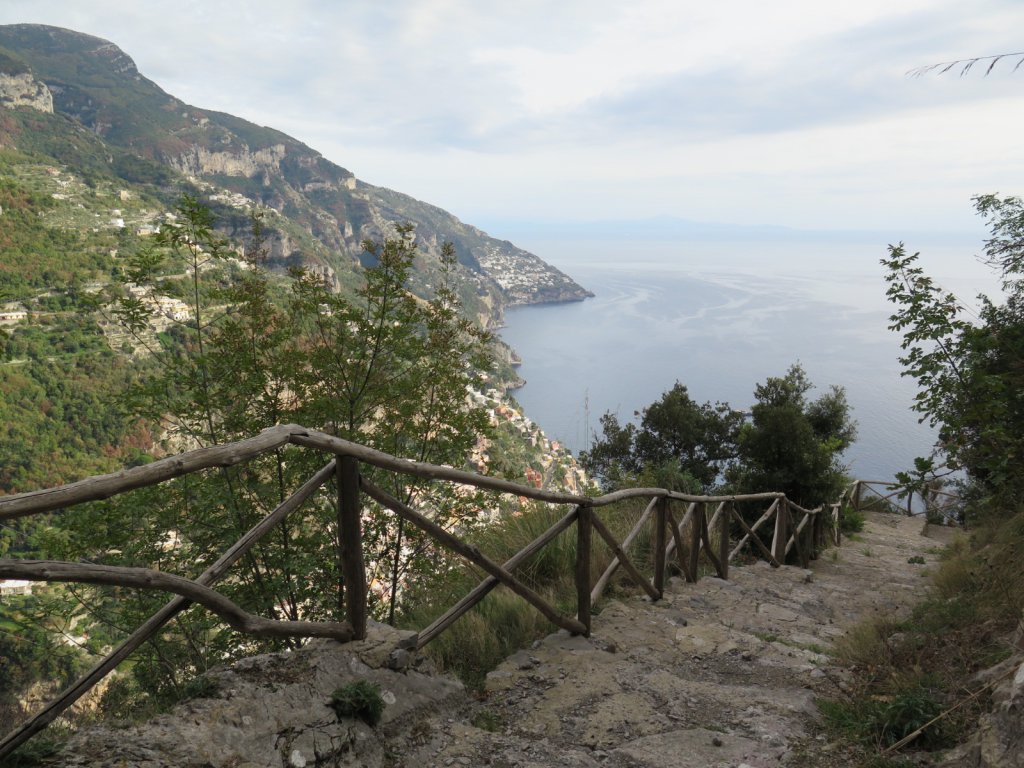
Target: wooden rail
pixel 936 500
pixel 690 537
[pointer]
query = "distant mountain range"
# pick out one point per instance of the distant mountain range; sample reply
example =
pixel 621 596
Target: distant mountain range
pixel 79 103
pixel 674 228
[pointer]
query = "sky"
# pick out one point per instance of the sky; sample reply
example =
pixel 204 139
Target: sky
pixel 795 113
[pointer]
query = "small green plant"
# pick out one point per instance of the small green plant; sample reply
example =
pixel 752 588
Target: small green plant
pixel 852 521
pixel 867 552
pixel 486 720
pixel 887 719
pixel 36 752
pixel 360 699
pixel 916 560
pixel 201 687
pixel 908 712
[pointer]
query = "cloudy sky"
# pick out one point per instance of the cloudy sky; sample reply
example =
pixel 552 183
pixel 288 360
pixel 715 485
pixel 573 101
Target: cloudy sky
pixel 794 112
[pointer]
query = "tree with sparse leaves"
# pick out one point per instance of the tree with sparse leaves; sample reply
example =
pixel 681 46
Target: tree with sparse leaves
pixel 384 368
pixel 970 373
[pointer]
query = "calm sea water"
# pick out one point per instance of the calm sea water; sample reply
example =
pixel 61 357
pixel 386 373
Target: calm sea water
pixel 721 317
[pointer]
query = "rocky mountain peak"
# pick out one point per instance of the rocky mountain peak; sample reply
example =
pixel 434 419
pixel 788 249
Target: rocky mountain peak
pixel 49 40
pixel 323 213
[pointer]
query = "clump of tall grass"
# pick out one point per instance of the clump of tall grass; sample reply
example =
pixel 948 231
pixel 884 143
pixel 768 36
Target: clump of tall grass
pixel 908 672
pixel 503 622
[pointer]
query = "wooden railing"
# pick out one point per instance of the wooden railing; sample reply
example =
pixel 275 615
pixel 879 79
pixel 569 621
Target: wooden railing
pixel 935 501
pixel 685 537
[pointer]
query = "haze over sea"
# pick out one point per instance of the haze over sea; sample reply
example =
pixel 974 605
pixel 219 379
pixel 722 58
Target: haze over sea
pixel 721 316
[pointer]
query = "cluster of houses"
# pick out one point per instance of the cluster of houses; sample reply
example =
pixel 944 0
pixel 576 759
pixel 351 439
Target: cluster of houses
pixel 164 306
pixel 14 587
pixel 558 468
pixel 11 314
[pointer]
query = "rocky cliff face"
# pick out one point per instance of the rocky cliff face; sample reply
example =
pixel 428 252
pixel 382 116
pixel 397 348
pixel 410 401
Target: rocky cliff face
pixel 199 161
pixel 998 741
pixel 23 90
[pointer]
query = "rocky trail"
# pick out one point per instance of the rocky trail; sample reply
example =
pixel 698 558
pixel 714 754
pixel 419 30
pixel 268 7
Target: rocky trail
pixel 718 673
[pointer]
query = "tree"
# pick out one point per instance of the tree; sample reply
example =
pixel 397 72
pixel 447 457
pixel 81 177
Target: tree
pixel 384 368
pixel 400 385
pixel 970 375
pixel 792 444
pixel 679 443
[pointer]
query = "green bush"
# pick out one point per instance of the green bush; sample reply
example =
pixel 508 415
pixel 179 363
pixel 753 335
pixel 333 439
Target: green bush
pixel 360 699
pixel 851 521
pixel 885 720
pixel 908 712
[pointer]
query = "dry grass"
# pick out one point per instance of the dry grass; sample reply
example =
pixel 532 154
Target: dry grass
pixel 906 673
pixel 503 622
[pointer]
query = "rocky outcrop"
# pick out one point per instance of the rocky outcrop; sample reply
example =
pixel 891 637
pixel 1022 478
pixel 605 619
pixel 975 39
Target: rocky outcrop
pixel 23 90
pixel 998 741
pixel 272 712
pixel 199 161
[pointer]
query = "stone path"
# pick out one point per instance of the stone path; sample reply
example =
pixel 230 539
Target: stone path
pixel 718 673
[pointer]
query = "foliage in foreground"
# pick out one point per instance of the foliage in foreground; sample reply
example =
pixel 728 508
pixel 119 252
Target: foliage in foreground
pixel 970 380
pixel 384 368
pixel 360 699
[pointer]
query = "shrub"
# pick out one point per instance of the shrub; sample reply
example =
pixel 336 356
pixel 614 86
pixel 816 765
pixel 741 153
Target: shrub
pixel 851 521
pixel 360 699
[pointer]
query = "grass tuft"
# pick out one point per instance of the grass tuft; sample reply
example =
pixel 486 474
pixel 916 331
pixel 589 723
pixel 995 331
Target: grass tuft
pixel 360 699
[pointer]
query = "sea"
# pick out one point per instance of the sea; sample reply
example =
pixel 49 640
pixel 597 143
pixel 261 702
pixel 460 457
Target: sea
pixel 720 317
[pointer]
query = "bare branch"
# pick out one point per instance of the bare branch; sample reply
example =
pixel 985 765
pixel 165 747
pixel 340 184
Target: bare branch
pixel 966 65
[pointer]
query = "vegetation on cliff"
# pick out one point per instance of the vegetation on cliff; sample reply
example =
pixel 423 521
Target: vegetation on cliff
pixel 384 369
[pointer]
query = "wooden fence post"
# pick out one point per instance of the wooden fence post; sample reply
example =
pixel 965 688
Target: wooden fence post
pixel 855 496
pixel 350 531
pixel 696 524
pixel 781 531
pixel 660 522
pixel 724 526
pixel 584 529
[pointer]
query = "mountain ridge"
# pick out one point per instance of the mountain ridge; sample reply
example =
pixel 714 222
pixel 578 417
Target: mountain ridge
pixel 174 145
